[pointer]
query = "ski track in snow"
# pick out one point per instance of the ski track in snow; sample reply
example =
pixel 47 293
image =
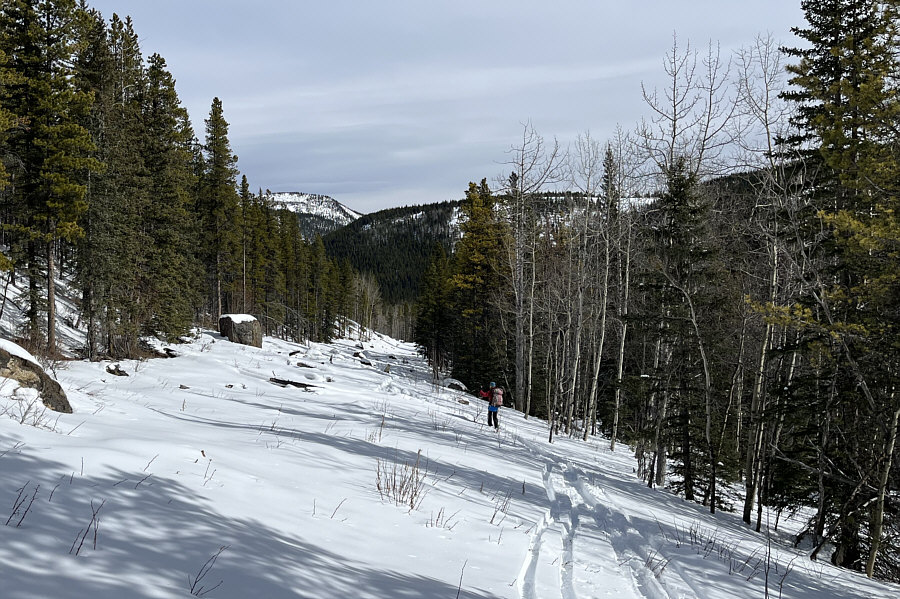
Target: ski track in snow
pixel 542 573
pixel 654 577
pixel 583 535
pixel 529 568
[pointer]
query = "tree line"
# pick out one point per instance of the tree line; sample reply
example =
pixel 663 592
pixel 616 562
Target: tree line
pixel 718 288
pixel 104 184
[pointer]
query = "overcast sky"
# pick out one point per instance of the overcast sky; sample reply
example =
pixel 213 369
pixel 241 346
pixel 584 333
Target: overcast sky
pixel 382 103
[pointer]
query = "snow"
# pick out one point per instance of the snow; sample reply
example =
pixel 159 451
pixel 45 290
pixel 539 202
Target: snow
pixel 17 350
pixel 239 318
pixel 197 470
pixel 315 204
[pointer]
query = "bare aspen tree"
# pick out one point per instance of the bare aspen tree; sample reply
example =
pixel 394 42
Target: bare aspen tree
pixel 760 78
pixel 591 267
pixel 368 298
pixel 693 117
pixel 685 140
pixel 534 165
pixel 615 189
pixel 552 314
pixel 882 486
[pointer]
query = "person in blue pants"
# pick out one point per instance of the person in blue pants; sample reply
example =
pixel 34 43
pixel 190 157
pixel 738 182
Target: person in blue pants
pixel 496 400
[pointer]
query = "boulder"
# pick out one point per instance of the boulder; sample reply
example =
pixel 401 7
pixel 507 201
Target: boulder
pixel 241 328
pixel 116 370
pixel 18 365
pixel 452 384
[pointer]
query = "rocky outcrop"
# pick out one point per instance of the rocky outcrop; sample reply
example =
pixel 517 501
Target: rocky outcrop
pixel 241 328
pixel 16 366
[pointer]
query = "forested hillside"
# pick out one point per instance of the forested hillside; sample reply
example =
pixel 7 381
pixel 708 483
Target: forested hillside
pixel 394 245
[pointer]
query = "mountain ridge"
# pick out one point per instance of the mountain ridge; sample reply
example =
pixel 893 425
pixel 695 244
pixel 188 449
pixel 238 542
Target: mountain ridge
pixel 317 214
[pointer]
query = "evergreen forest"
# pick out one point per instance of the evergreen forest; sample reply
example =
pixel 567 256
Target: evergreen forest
pixel 716 290
pixel 106 185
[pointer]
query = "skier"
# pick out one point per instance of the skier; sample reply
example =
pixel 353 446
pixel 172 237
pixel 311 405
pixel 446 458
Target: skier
pixel 496 400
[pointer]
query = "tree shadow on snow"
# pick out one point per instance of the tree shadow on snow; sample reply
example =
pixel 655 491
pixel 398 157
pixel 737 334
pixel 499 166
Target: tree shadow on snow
pixel 154 537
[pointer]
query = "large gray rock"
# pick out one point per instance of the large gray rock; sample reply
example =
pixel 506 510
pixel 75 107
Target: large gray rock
pixel 16 366
pixel 241 328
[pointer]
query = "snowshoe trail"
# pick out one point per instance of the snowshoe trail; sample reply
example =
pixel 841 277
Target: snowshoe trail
pixel 653 574
pixel 587 546
pixel 571 556
pixel 542 572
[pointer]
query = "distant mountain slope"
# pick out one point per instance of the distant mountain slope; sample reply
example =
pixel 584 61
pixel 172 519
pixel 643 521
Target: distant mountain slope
pixel 394 245
pixel 317 214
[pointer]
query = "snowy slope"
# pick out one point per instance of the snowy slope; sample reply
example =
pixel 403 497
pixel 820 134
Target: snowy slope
pixel 315 205
pixel 197 475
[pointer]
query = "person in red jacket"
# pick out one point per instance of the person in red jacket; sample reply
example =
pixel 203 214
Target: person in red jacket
pixel 496 400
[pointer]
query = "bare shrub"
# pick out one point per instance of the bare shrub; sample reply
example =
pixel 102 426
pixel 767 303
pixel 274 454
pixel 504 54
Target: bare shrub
pixel 20 507
pixel 403 484
pixel 92 527
pixel 196 585
pixel 442 520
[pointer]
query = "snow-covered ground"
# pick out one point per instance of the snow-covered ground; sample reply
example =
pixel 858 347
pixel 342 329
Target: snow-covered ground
pixel 198 475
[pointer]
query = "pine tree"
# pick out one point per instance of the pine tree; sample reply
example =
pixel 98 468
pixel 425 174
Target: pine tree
pixel 259 221
pixel 50 149
pixel 218 209
pixel 285 282
pixel 344 295
pixel 173 270
pixel 479 348
pixel 93 73
pixel 7 121
pixel 113 251
pixel 689 294
pixel 247 233
pixel 848 113
pixel 434 324
pixel 322 289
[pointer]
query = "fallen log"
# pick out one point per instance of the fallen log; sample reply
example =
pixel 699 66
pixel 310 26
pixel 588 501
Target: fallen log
pixel 288 382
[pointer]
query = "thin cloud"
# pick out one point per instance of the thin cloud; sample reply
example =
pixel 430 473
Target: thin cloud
pixel 371 102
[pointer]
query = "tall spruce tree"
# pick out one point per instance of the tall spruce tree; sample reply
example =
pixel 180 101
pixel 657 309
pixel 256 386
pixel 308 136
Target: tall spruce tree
pixel 112 253
pixel 247 233
pixel 434 325
pixel 173 270
pixel 261 255
pixel 93 73
pixel 219 215
pixel 322 289
pixel 7 121
pixel 847 115
pixel 286 266
pixel 688 310
pixel 50 150
pixel 479 349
